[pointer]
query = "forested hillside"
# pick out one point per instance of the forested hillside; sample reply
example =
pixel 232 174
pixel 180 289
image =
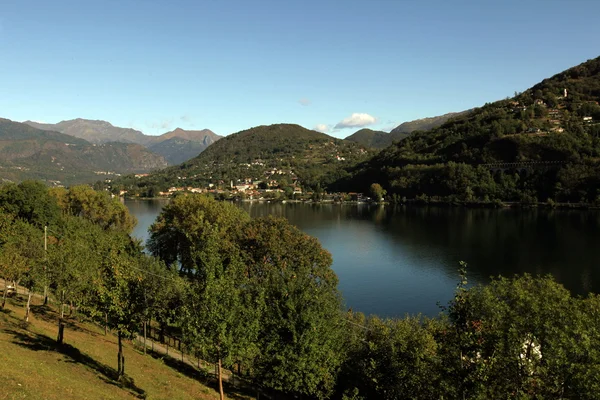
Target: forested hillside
pixel 376 139
pixel 541 144
pixel 278 154
pixel 425 124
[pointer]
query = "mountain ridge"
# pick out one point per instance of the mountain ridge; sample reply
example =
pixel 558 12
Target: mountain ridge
pixel 191 144
pixel 545 143
pixel 30 153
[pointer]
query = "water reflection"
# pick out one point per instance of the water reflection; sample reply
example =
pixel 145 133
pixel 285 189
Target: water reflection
pixel 396 260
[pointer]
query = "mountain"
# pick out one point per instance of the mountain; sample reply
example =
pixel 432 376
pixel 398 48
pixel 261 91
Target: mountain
pixel 181 144
pixel 30 153
pixel 537 146
pixel 205 136
pixel 381 139
pixel 425 124
pixel 95 131
pixel 283 153
pixel 375 139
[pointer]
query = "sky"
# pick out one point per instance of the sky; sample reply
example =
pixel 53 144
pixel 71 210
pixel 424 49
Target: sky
pixel 334 66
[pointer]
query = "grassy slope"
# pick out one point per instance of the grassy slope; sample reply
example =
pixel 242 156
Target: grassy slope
pixel 31 366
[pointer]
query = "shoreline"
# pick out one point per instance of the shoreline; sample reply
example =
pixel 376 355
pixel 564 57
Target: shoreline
pixel 412 203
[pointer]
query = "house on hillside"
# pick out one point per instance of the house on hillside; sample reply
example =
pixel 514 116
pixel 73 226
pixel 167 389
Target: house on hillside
pixel 553 112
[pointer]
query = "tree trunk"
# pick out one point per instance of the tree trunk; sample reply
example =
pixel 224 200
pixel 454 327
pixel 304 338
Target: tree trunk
pixel 28 305
pixel 144 336
pixel 4 296
pixel 120 359
pixel 105 323
pixel 220 378
pixel 61 322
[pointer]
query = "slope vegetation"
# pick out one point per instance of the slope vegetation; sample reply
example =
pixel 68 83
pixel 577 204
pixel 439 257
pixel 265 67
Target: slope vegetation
pixel 376 139
pixel 425 124
pixel 282 152
pixel 536 146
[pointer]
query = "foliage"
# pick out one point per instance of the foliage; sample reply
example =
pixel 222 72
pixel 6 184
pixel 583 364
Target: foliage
pixel 30 201
pixel 299 342
pixel 390 359
pixel 186 222
pixel 376 139
pixel 96 206
pixel 546 144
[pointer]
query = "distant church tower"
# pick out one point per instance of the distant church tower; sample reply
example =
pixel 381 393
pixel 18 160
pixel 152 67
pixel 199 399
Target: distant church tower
pixel 565 93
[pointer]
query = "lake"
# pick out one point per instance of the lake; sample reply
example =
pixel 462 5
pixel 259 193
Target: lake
pixel 396 260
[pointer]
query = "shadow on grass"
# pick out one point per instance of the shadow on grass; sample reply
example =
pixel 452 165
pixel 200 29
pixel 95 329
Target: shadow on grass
pixel 238 392
pixel 37 342
pixel 49 315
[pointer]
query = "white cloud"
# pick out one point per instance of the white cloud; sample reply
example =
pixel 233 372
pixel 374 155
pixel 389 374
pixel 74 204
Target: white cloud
pixel 356 120
pixel 322 128
pixel 304 102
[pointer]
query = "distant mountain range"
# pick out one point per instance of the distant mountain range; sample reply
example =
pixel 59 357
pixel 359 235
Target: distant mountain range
pixel 30 153
pixel 175 146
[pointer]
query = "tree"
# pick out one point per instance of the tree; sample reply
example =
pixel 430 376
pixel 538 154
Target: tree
pixel 162 292
pixel 31 202
pixel 73 261
pixel 199 233
pixel 299 341
pixel 98 207
pixel 218 319
pixel 377 192
pixel 184 222
pixel 390 359
pixel 118 290
pixel 21 257
pixel 525 336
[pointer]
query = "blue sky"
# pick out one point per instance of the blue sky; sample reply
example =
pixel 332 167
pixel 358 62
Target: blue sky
pixel 230 65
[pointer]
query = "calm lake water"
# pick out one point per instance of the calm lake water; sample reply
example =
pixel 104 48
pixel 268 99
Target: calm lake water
pixel 396 260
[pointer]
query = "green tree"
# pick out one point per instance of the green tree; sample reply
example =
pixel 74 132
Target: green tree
pixel 118 289
pixel 30 201
pixel 300 346
pixel 219 319
pixel 184 222
pixel 524 336
pixel 98 207
pixel 390 359
pixel 72 264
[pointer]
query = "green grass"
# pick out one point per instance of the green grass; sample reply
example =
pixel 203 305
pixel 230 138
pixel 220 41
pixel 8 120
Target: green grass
pixel 33 367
